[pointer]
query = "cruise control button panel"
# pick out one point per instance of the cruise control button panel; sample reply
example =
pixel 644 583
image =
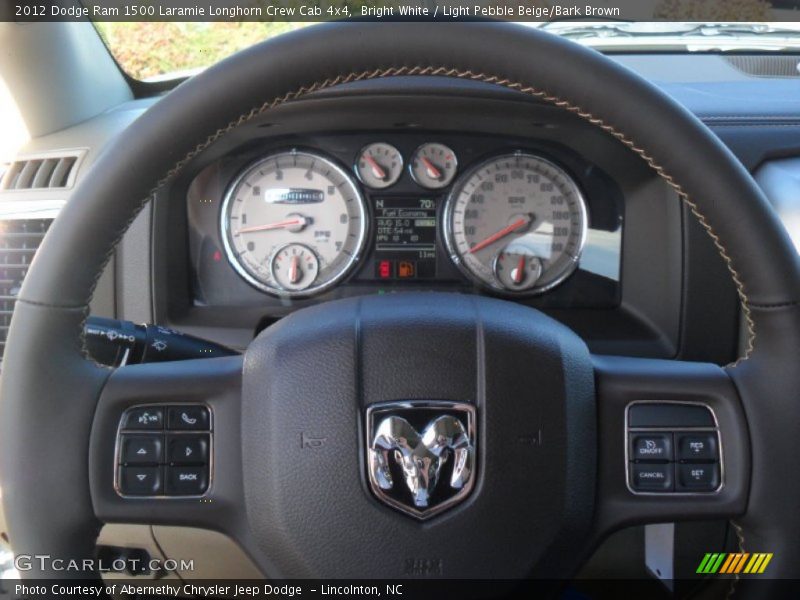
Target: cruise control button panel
pixel 672 448
pixel 164 451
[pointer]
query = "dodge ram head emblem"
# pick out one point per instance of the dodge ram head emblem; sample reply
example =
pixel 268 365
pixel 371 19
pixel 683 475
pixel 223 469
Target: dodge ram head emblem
pixel 421 454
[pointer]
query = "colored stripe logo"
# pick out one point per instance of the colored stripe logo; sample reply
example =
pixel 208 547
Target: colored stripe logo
pixel 734 562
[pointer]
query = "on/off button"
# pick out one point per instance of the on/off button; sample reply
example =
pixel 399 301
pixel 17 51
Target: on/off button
pixel 651 446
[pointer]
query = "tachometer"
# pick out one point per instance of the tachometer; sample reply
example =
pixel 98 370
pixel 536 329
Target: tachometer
pixel 516 223
pixel 293 223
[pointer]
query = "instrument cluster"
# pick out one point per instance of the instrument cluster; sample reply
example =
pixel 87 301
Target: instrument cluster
pixel 508 217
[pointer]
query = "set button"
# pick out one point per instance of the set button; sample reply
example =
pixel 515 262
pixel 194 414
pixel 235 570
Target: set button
pixel 698 476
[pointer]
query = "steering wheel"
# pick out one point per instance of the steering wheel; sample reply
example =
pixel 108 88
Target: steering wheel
pixel 290 472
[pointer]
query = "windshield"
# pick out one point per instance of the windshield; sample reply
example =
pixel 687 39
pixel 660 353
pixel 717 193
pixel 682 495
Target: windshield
pixel 149 51
pixel 153 51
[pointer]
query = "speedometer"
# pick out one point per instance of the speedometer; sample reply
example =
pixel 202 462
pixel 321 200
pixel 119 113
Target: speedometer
pixel 516 224
pixel 293 223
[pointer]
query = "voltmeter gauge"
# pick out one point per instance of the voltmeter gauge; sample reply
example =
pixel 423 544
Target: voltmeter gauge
pixel 379 165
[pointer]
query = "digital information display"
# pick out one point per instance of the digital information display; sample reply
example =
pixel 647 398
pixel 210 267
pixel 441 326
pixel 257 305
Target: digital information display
pixel 405 238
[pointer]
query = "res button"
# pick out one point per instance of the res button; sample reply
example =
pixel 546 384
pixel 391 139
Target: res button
pixel 700 447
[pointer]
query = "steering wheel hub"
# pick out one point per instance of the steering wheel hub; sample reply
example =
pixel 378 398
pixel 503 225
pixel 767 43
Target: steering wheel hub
pixel 449 409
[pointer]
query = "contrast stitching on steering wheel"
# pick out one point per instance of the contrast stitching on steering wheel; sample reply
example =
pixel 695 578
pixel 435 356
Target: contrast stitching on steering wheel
pixel 459 74
pixel 740 537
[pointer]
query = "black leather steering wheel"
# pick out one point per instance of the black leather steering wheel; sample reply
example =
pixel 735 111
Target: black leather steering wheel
pixel 536 509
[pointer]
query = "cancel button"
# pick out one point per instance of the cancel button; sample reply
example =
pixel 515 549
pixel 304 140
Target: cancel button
pixel 651 477
pixel 651 446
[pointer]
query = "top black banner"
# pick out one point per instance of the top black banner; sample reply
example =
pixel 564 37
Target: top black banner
pixel 382 10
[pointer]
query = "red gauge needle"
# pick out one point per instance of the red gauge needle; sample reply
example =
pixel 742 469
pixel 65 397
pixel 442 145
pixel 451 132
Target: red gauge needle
pixel 519 223
pixel 520 270
pixel 294 268
pixel 298 222
pixel 433 172
pixel 377 170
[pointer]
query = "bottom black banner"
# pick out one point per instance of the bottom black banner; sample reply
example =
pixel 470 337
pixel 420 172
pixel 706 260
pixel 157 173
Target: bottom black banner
pixel 439 589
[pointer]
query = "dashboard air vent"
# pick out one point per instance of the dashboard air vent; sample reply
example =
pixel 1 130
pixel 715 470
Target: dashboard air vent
pixel 41 172
pixel 768 65
pixel 19 240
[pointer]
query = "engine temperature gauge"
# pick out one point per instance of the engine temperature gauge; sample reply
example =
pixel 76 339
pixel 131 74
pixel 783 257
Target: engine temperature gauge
pixel 515 269
pixel 294 267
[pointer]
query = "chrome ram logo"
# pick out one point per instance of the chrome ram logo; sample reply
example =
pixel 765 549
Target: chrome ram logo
pixel 421 454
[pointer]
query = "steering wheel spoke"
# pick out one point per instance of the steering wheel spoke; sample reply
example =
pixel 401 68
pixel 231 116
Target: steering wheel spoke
pixel 165 445
pixel 673 442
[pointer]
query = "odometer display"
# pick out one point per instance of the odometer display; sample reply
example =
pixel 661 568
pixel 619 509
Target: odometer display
pixel 516 224
pixel 293 223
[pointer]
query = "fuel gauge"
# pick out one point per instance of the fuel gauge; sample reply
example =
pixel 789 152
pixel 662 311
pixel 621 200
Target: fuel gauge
pixel 294 267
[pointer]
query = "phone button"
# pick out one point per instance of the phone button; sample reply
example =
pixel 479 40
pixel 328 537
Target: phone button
pixel 194 418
